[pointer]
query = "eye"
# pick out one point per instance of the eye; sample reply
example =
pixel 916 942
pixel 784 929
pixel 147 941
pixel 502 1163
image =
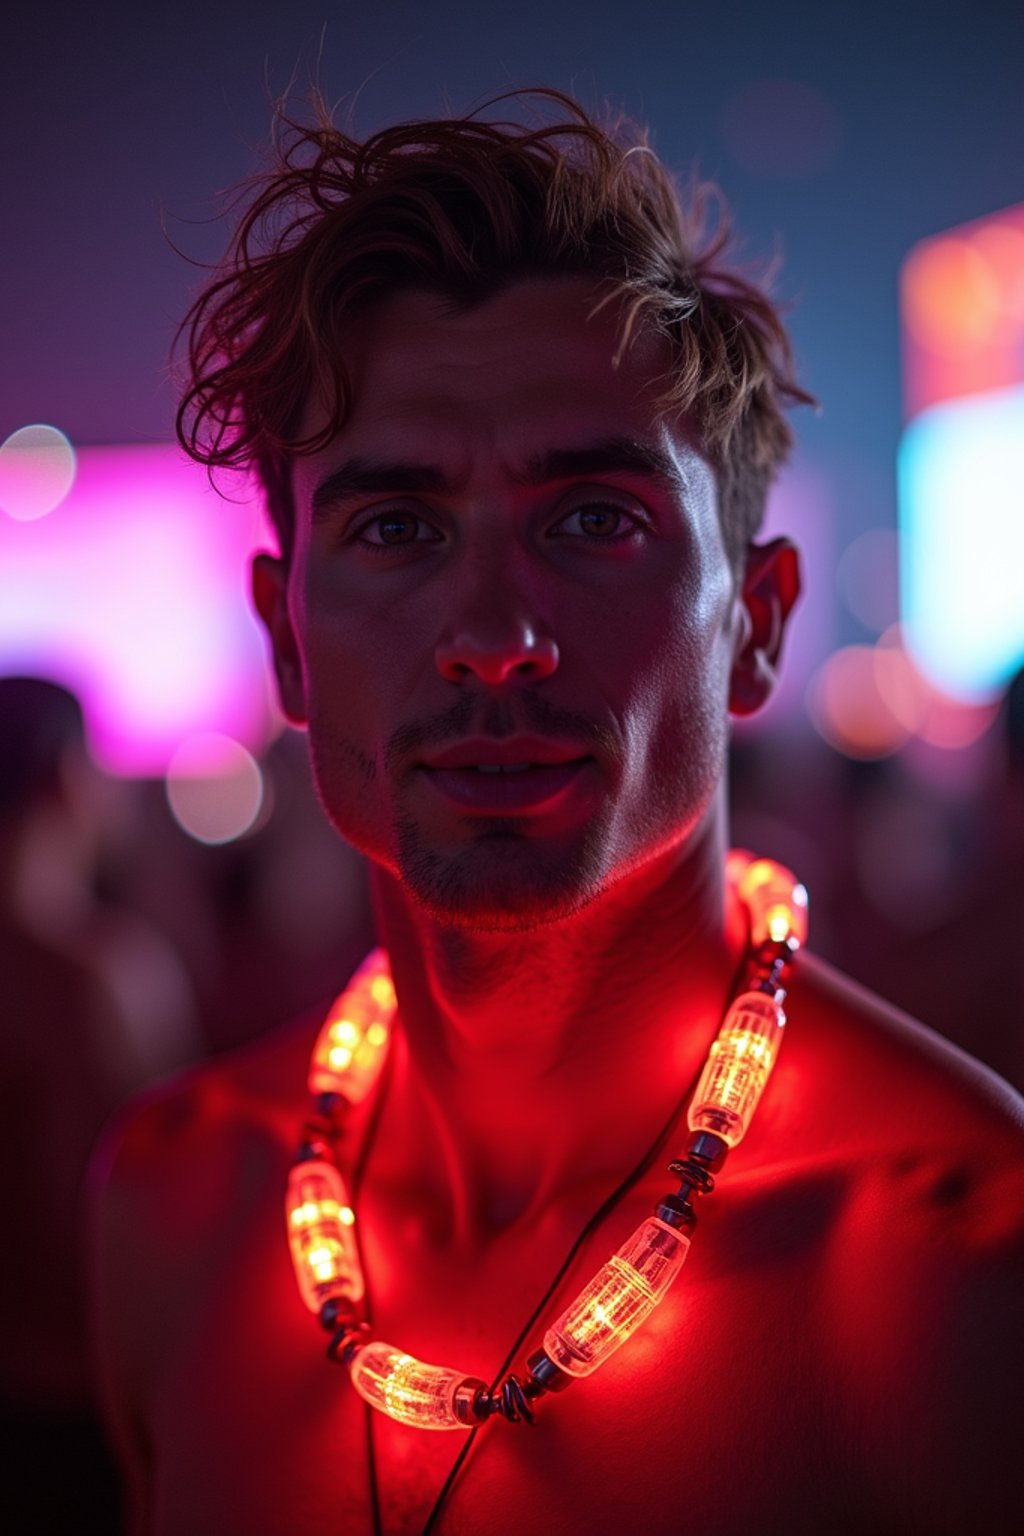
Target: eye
pixel 599 522
pixel 396 529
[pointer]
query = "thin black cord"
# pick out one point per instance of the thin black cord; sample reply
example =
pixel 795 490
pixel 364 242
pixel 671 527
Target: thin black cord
pixel 603 1211
pixel 599 1216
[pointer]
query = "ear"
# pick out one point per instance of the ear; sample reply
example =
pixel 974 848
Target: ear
pixel 270 596
pixel 770 588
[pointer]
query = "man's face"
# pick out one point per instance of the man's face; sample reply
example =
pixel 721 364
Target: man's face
pixel 509 618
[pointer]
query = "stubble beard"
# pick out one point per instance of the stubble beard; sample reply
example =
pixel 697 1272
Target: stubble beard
pixel 501 880
pixel 497 880
pixel 498 877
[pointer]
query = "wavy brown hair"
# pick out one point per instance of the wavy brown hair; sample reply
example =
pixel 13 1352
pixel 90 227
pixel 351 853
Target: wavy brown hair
pixel 464 207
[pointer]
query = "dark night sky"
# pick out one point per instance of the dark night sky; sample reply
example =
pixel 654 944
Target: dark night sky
pixel 120 125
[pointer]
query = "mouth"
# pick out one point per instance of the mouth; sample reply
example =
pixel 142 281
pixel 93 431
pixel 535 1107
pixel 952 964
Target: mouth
pixel 501 767
pixel 505 788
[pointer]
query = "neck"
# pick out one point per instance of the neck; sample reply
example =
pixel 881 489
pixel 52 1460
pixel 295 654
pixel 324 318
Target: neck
pixel 538 1063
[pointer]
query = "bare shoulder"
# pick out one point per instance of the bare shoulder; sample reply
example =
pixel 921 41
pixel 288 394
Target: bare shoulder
pixel 896 1072
pixel 176 1156
pixel 922 1286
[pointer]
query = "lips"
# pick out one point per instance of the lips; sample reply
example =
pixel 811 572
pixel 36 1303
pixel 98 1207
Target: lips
pixel 506 791
pixel 512 752
pixel 505 777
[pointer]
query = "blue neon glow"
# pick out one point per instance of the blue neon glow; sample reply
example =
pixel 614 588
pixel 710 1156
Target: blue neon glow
pixel 961 499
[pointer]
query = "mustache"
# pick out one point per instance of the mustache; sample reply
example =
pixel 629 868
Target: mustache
pixel 526 714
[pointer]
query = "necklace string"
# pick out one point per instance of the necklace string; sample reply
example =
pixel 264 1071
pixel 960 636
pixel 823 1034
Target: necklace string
pixel 603 1211
pixel 599 1216
pixel 350 1055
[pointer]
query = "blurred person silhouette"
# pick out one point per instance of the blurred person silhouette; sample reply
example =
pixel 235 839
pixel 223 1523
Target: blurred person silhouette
pixel 94 1003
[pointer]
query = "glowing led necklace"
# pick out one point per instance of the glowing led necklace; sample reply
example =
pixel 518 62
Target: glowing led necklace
pixel 346 1063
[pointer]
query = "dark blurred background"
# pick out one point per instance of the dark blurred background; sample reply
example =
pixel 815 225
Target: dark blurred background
pixel 166 887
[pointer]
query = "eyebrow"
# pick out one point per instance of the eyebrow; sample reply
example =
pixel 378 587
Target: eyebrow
pixel 614 455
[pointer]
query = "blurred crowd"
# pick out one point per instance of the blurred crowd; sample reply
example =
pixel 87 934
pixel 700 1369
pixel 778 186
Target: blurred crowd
pixel 128 950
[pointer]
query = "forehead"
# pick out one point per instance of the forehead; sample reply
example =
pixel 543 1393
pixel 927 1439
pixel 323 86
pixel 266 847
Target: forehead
pixel 532 369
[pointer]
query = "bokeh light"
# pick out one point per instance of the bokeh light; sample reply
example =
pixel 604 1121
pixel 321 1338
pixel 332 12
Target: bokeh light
pixel 1001 245
pixel 961 507
pixel 37 470
pixel 962 310
pixel 951 294
pixel 870 701
pixel 132 594
pixel 927 712
pixel 214 788
pixel 868 578
pixel 783 129
pixel 848 708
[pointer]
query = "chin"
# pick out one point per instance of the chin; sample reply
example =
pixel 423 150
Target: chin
pixel 501 884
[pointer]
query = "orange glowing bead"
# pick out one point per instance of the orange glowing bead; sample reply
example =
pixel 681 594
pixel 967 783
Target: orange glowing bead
pixel 352 1045
pixel 425 1396
pixel 777 904
pixel 737 862
pixel 618 1299
pixel 320 1234
pixel 738 1067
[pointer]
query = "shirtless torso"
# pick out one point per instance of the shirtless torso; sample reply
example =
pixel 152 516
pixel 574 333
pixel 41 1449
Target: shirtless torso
pixel 841 1353
pixel 515 616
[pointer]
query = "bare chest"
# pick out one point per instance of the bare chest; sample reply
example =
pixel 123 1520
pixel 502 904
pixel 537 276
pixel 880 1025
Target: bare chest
pixel 721 1413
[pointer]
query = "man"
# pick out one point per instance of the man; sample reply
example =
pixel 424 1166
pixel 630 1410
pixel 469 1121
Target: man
pixel 516 426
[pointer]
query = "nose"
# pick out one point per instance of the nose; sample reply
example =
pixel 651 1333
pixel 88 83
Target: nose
pixel 494 651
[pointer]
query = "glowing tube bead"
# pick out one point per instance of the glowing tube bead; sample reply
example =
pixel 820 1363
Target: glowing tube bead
pixel 618 1299
pixel 738 1066
pixel 352 1044
pixel 424 1396
pixel 776 902
pixel 321 1236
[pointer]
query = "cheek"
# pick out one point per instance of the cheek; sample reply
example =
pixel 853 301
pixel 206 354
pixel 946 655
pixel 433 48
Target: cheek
pixel 343 699
pixel 351 660
pixel 676 724
pixel 677 669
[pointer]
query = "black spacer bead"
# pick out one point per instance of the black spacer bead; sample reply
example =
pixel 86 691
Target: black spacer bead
pixel 336 1312
pixel 708 1148
pixel 694 1178
pixel 347 1339
pixel 328 1104
pixel 676 1211
pixel 548 1376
